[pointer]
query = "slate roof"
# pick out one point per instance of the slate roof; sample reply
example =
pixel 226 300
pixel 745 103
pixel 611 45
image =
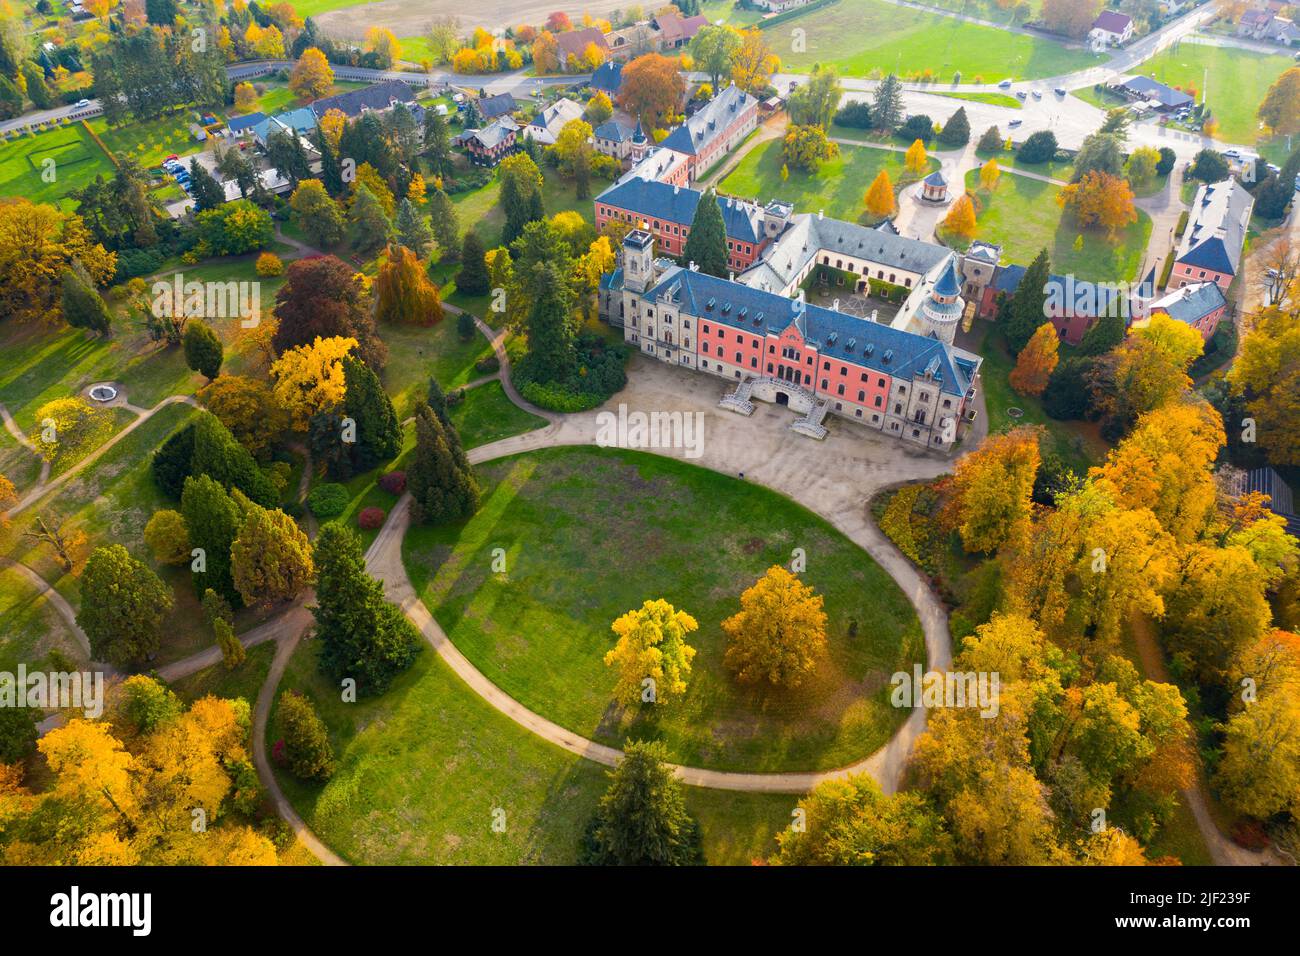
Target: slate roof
pixel 613 130
pixel 835 334
pixel 1072 292
pixel 1216 230
pixel 545 126
pixel 710 122
pixel 1149 89
pixel 1112 21
pixel 1191 303
pixel 494 134
pixel 490 107
pixel 949 283
pixel 936 178
pixel 809 235
pixel 377 96
pixel 608 77
pixel 663 201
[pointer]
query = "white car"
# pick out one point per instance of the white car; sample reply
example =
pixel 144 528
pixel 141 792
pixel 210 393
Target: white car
pixel 80 103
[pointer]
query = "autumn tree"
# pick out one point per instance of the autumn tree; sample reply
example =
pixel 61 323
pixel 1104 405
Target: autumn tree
pixel 270 558
pixel 991 489
pixel 312 77
pixel 960 220
pixel 990 172
pixel 67 429
pixel 778 639
pixel 642 818
pixel 310 378
pixel 849 822
pixel 167 538
pixel 807 147
pixel 1266 374
pixel 245 97
pixel 248 408
pixel 879 198
pixel 1073 18
pixel 652 89
pixel 1100 199
pixel 1280 110
pixel 123 604
pixel 651 655
pixel 916 158
pixel 753 62
pixel 1037 361
pixel 322 298
pixel 1147 370
pixel 403 293
pixel 37 244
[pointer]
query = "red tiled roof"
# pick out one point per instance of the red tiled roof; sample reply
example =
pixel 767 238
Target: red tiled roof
pixel 574 43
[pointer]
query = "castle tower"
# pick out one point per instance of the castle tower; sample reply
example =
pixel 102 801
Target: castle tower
pixel 638 261
pixel 941 312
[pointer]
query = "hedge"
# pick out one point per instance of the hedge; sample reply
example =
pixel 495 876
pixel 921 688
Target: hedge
pixel 791 14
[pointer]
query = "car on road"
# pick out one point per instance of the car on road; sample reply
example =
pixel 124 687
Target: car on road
pixel 1038 94
pixel 1020 95
pixel 82 103
pixel 1059 91
pixel 1014 123
pixel 1004 85
pixel 1233 153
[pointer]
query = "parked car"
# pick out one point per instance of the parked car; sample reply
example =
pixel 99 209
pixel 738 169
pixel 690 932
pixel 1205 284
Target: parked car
pixel 1020 95
pixel 1233 153
pixel 1014 123
pixel 1038 94
pixel 1059 91
pixel 1004 85
pixel 80 103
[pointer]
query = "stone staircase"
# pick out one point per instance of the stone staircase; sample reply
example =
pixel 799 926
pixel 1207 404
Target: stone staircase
pixel 738 400
pixel 811 424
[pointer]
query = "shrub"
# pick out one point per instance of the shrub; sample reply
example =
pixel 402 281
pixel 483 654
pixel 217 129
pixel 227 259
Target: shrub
pixel 269 264
pixel 856 115
pixel 306 743
pixel 328 500
pixel 455 397
pixel 394 482
pixel 897 521
pixel 488 365
pixel 371 519
pixel 1250 834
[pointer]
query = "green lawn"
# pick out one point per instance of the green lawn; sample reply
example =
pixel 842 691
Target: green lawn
pixel 19 465
pixel 1022 215
pixel 77 161
pixel 416 353
pixel 837 189
pixel 151 141
pixel 1238 81
pixel 487 415
pixel 1007 160
pixel 624 527
pixel 244 681
pixel 480 211
pixel 30 628
pixel 994 99
pixel 859 36
pixel 422 768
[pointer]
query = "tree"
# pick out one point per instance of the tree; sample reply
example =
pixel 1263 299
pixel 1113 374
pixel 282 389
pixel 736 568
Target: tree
pixel 234 229
pixel 245 98
pixel 1266 374
pixel 1215 612
pixel 18 734
pixel 1100 199
pixel 269 265
pixel 249 410
pixel 1072 18
pixel 216 453
pixel 918 126
pixel 807 147
pixel 1101 152
pixel 546 53
pixel 320 298
pixel 642 818
pixel 412 229
pixel 212 519
pixel 880 196
pixel 473 276
pixel 1209 166
pixel 520 194
pixel 1147 370
pixel 232 651
pixel 1104 334
pixel 207 192
pixel 67 545
pixel 850 822
pixel 270 558
pixel 1259 773
pixel 445 223
pixel 1142 165
pixel 403 293
pixel 369 222
pixel 83 306
pixel 712 49
pixel 706 246
pixel 753 63
pixel 651 655
pixel 960 220
pixel 442 485
pixel 378 434
pixel 306 741
pixel 916 158
pixel 599 107
pixel 778 638
pixel 37 90
pixel 1036 362
pixel 956 132
pixel 887 104
pixel 167 537
pixel 310 378
pixel 312 77
pixel 1280 111
pixel 1028 304
pixel 990 142
pixel 815 101
pixel 67 429
pixel 122 607
pixel 203 349
pixel 37 243
pixel 652 89
pixel 362 636
pixel 991 490
pixel 1039 147
pixel 990 172
pixel 316 214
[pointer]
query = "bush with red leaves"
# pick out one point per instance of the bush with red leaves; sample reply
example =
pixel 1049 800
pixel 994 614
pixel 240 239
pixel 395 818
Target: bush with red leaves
pixel 1250 834
pixel 394 482
pixel 371 518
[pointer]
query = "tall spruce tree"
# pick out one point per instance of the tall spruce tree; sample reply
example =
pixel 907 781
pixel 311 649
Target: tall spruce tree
pixel 473 276
pixel 642 819
pixel 443 487
pixel 379 436
pixel 361 635
pixel 437 142
pixel 956 132
pixel 412 229
pixel 83 306
pixel 446 225
pixel 1026 310
pixel 1104 334
pixel 212 519
pixel 207 192
pixel 706 246
pixel 887 104
pixel 551 350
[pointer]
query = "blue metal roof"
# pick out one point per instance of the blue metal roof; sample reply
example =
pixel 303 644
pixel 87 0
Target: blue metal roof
pixel 677 204
pixel 608 77
pixel 949 283
pixel 241 123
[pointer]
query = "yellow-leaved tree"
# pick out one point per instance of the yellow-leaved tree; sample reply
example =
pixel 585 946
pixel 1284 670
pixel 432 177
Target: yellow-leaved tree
pixel 960 220
pixel 652 657
pixel 1036 361
pixel 309 378
pixel 778 639
pixel 916 157
pixel 989 502
pixel 880 196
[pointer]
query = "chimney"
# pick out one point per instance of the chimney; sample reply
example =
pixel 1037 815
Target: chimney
pixel 731 277
pixel 821 214
pixel 676 188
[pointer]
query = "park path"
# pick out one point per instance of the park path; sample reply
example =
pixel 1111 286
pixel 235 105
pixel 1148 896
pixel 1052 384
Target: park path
pixel 12 428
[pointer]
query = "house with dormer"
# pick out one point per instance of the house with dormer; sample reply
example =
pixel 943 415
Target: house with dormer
pixel 1211 246
pixel 717 128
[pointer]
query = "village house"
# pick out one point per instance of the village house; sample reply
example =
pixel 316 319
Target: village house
pixel 1210 249
pixel 1111 28
pixel 909 384
pixel 491 107
pixel 377 97
pixel 608 78
pixel 1200 305
pixel 490 145
pixel 616 139
pixel 546 125
pixel 573 45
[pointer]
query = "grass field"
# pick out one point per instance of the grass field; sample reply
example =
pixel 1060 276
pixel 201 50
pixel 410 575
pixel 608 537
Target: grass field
pixel 416 353
pixel 1022 215
pixel 1238 81
pixel 480 211
pixel 421 770
pixel 78 160
pixel 993 99
pixel 623 526
pixel 30 628
pixel 859 36
pixel 488 415
pixel 837 189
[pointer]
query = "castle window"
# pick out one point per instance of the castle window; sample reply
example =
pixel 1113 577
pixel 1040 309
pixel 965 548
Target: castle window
pixel 739 357
pixel 825 385
pixel 862 396
pixel 769 368
pixel 840 389
pixel 807 379
pixel 706 328
pixel 947 403
pixel 898 408
pixel 878 401
pixel 753 363
pixel 826 366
